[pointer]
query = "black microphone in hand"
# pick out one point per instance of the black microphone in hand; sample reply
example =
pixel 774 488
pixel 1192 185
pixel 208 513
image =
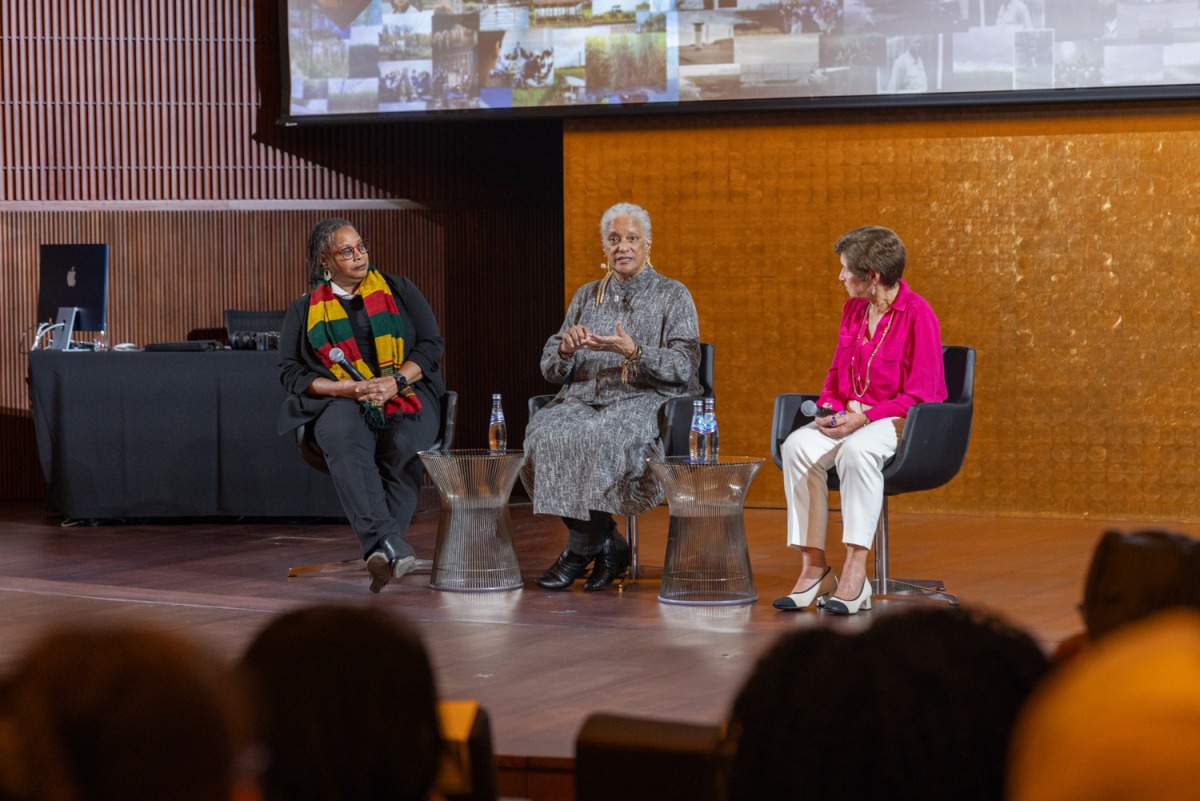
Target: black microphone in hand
pixel 811 409
pixel 339 358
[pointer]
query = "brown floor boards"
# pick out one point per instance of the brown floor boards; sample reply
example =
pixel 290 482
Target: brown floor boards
pixel 539 661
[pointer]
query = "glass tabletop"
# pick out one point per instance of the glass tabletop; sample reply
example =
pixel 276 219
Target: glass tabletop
pixel 720 460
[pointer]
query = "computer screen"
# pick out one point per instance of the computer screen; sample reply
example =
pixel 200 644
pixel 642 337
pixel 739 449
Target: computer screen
pixel 74 275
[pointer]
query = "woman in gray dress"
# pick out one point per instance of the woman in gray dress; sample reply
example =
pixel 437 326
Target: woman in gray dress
pixel 629 343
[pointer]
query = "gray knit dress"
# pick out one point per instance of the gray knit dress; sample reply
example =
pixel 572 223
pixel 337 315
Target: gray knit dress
pixel 587 448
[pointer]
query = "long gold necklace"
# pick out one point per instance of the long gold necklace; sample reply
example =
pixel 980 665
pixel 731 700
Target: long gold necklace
pixel 855 379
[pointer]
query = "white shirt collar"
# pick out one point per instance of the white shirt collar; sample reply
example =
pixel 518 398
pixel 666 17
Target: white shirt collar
pixel 338 291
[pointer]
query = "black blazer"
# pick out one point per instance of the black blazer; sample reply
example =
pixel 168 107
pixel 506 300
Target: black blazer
pixel 299 364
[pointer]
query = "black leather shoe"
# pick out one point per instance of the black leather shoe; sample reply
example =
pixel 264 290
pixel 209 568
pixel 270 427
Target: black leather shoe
pixel 566 568
pixel 388 562
pixel 611 563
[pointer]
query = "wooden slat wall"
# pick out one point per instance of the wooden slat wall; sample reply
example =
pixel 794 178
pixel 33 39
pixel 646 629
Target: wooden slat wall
pixel 1060 243
pixel 150 125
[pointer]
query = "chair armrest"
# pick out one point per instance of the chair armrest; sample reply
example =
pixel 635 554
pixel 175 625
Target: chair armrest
pixel 677 426
pixel 449 418
pixel 536 403
pixel 786 419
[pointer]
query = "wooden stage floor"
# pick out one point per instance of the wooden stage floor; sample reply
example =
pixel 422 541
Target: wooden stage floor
pixel 539 661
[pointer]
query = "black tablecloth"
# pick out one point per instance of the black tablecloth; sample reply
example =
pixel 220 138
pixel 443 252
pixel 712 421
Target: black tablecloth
pixel 124 435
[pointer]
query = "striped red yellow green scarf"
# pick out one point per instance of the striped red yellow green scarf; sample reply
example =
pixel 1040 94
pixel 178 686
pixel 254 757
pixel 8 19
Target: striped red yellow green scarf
pixel 329 328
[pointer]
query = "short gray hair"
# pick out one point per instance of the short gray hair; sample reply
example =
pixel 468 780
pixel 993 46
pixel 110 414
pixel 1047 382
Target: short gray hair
pixel 625 210
pixel 873 248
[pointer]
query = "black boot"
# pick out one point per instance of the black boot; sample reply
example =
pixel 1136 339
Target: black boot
pixel 390 560
pixel 566 568
pixel 611 563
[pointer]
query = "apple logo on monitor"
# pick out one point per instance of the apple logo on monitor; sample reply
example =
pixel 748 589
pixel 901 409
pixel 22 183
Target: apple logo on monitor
pixel 71 277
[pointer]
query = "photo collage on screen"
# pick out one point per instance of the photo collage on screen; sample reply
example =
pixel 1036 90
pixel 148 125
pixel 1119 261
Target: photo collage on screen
pixel 379 56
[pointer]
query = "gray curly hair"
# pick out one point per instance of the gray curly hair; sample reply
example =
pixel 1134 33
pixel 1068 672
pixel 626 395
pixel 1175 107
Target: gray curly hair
pixel 625 210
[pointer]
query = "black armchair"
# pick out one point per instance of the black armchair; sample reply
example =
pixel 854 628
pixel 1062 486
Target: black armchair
pixel 677 425
pixel 933 445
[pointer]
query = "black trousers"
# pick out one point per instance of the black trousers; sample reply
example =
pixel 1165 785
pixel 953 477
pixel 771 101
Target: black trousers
pixel 377 474
pixel 587 537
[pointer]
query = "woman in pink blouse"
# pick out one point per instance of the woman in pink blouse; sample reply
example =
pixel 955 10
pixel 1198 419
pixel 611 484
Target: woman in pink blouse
pixel 889 356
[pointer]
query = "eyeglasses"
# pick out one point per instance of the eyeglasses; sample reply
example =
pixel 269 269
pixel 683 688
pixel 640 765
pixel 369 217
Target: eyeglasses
pixel 347 253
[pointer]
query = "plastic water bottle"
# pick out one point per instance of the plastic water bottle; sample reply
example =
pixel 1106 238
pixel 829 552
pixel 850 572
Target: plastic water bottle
pixel 497 430
pixel 697 437
pixel 711 436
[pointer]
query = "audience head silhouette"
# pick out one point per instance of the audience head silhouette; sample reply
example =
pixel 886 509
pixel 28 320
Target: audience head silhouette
pixel 920 705
pixel 1120 721
pixel 346 707
pixel 120 714
pixel 1134 575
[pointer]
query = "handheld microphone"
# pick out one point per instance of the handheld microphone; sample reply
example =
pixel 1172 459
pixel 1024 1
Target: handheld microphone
pixel 811 409
pixel 339 358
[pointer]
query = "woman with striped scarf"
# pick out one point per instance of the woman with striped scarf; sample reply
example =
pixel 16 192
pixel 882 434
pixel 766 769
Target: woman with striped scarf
pixel 371 420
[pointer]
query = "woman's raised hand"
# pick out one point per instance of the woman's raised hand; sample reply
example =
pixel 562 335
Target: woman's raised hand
pixel 573 340
pixel 620 343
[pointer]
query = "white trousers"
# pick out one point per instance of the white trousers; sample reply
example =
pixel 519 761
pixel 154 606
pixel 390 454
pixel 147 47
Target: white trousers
pixel 859 458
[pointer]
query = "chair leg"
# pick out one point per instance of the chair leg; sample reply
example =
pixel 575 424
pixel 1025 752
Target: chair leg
pixel 884 584
pixel 631 534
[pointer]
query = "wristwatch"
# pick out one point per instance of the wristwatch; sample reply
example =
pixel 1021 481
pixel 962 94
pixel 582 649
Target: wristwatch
pixel 401 383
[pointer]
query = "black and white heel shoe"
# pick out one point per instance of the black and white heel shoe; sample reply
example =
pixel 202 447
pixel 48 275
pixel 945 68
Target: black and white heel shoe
pixel 820 590
pixel 839 606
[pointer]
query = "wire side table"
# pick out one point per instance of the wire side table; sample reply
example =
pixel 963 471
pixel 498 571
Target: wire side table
pixel 474 551
pixel 707 561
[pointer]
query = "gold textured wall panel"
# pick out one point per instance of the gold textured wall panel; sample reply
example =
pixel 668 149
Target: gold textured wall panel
pixel 1059 244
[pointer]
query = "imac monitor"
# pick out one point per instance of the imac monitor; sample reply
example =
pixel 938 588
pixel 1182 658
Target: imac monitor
pixel 73 277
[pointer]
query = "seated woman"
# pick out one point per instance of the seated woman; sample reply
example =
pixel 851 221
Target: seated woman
pixel 372 419
pixel 630 342
pixel 888 357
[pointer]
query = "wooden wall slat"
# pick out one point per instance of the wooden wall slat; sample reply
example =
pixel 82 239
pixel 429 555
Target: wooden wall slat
pixel 139 124
pixel 173 273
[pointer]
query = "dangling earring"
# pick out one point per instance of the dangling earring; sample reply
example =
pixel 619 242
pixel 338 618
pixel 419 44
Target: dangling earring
pixel 326 274
pixel 872 290
pixel 603 288
pixel 648 264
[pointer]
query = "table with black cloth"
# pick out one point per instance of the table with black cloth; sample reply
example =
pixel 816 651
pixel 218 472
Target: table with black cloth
pixel 175 434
